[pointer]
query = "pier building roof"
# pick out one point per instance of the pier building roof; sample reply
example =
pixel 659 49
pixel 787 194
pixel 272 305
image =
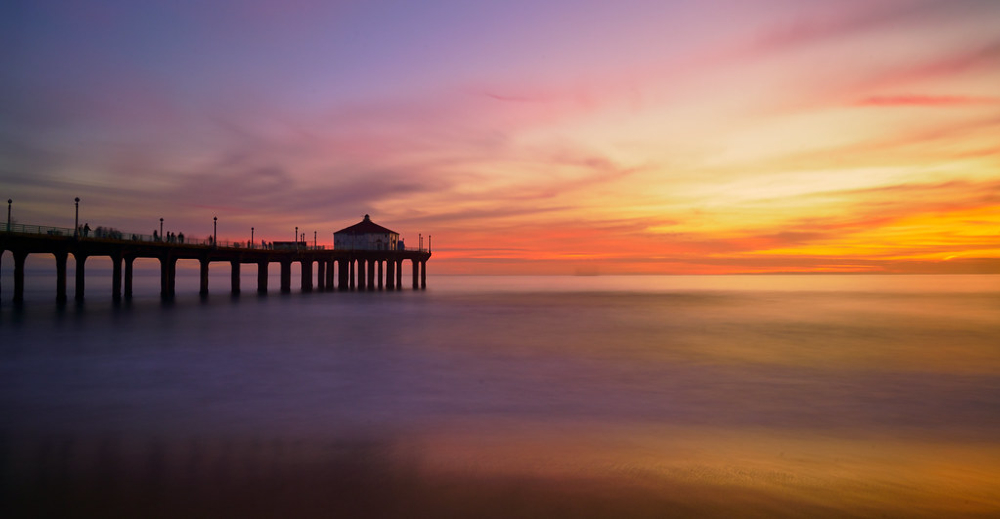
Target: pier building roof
pixel 366 226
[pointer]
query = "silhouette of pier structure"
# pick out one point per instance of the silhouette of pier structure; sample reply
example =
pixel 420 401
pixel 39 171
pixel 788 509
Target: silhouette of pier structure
pixel 340 269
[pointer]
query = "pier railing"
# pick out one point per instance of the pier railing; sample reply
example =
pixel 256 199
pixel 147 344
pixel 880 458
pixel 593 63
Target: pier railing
pixel 18 228
pixel 111 234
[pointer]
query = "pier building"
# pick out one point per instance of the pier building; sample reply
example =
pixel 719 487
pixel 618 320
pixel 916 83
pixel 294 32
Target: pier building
pixel 365 235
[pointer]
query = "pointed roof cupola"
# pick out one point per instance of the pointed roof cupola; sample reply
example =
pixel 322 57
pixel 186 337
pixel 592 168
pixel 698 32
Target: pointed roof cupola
pixel 366 226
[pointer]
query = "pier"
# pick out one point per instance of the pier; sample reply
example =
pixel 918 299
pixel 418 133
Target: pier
pixel 335 269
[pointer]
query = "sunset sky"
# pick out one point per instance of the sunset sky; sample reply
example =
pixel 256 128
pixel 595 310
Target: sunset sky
pixel 549 137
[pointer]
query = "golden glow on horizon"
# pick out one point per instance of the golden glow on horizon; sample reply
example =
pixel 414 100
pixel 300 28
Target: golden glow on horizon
pixel 933 236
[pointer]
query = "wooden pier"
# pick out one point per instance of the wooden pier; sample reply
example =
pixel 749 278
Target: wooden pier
pixel 335 269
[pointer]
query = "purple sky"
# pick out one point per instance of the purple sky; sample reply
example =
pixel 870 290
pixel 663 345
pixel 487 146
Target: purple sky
pixel 706 136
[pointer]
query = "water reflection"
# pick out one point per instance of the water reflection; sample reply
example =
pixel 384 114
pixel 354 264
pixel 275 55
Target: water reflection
pixel 603 472
pixel 537 402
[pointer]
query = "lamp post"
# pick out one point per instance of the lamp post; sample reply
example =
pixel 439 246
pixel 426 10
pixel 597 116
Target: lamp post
pixel 428 243
pixel 161 228
pixel 314 238
pixel 9 201
pixel 215 231
pixel 76 220
pixel 296 237
pixel 251 237
pixel 420 242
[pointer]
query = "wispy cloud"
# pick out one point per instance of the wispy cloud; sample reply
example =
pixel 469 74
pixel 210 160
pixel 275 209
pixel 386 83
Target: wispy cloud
pixel 925 100
pixel 517 98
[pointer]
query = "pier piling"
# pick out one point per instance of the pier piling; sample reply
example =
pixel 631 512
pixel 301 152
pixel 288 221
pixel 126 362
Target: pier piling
pixel 128 277
pixel 19 257
pixel 81 280
pixel 203 264
pixel 168 275
pixel 307 281
pixel 61 258
pixel 343 275
pixel 116 277
pixel 262 277
pixel 235 277
pixel 286 276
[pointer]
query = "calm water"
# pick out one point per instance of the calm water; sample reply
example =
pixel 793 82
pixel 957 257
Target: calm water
pixel 508 396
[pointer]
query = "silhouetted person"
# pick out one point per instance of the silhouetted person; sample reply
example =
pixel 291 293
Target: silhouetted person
pixel 180 237
pixel 86 230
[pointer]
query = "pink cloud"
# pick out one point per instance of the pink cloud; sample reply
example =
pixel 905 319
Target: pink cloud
pixel 924 100
pixel 956 64
pixel 518 99
pixel 834 21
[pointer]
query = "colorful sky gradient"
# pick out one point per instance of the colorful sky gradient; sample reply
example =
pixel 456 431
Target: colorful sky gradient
pixel 548 137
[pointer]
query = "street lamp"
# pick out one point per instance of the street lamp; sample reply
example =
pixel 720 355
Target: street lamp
pixel 251 237
pixel 296 237
pixel 428 243
pixel 76 221
pixel 314 238
pixel 161 228
pixel 215 231
pixel 9 201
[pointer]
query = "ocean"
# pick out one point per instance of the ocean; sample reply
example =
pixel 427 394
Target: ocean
pixel 590 396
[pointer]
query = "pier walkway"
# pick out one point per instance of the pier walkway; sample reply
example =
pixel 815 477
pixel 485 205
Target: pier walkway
pixel 334 269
